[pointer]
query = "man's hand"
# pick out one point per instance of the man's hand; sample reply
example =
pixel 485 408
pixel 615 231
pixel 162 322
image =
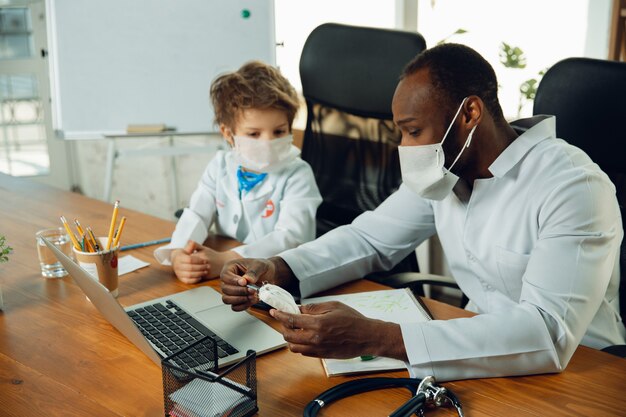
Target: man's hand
pixel 195 262
pixel 241 272
pixel 334 330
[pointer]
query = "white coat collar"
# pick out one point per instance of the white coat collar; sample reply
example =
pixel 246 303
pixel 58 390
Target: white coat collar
pixel 265 188
pixel 518 149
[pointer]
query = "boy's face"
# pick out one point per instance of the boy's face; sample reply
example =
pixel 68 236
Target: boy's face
pixel 262 124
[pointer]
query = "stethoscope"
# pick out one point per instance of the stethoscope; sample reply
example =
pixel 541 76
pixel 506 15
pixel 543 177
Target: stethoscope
pixel 427 394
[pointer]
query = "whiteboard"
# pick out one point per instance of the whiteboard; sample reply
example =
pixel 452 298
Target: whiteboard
pixel 120 62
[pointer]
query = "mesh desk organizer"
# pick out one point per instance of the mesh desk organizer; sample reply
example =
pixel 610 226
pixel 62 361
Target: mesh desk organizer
pixel 202 391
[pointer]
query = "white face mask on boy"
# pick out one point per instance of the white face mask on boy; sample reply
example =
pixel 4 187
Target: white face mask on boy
pixel 264 155
pixel 422 166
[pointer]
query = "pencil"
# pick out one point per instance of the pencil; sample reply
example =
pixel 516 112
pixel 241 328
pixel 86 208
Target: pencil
pixel 69 232
pixel 113 221
pixel 79 227
pixel 119 232
pixel 88 246
pixel 94 242
pixel 144 244
pixel 81 232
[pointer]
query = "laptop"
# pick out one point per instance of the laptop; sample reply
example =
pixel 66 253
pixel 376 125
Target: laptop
pixel 163 326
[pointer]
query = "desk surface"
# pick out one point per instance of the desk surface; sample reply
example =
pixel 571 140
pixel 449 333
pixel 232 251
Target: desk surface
pixel 58 356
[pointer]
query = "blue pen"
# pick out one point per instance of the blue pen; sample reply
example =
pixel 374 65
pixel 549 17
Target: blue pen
pixel 144 244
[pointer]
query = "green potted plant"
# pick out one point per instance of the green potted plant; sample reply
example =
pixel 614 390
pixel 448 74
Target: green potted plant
pixel 5 250
pixel 514 57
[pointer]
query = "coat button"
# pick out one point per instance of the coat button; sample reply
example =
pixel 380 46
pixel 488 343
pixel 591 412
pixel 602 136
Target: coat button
pixel 235 219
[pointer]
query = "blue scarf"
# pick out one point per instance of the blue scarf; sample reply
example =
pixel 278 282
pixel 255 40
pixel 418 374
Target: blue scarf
pixel 248 180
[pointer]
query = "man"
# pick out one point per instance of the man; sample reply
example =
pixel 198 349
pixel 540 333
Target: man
pixel 531 230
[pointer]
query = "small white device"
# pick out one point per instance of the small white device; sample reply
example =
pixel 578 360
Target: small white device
pixel 277 297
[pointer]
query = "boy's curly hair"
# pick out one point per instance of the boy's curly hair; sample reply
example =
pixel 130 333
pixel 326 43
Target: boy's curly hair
pixel 255 85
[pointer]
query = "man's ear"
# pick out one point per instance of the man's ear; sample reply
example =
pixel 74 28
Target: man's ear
pixel 473 111
pixel 227 133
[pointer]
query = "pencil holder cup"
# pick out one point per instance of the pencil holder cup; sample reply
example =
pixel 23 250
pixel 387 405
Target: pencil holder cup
pixel 102 266
pixel 190 390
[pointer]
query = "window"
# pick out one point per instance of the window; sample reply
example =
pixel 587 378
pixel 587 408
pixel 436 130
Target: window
pixel 546 31
pixel 23 144
pixel 295 20
pixel 15 33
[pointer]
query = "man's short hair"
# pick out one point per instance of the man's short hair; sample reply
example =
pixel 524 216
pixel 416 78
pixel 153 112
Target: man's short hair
pixel 458 71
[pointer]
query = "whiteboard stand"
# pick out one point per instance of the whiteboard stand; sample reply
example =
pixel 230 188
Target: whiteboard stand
pixel 114 154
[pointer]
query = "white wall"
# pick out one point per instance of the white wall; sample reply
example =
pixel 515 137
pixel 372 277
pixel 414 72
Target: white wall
pixel 598 27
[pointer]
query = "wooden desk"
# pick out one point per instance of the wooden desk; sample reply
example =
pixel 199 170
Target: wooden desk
pixel 59 357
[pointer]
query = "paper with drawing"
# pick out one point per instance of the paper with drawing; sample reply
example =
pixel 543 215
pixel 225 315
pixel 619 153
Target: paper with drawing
pixel 398 306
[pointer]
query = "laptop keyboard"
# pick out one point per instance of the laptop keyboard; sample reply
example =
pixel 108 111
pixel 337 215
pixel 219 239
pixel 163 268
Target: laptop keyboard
pixel 170 328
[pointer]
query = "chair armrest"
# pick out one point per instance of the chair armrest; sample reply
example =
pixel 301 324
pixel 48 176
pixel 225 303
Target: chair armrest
pixel 617 350
pixel 415 281
pixel 405 279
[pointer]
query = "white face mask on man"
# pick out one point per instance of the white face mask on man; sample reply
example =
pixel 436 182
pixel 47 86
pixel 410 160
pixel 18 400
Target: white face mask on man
pixel 264 155
pixel 422 166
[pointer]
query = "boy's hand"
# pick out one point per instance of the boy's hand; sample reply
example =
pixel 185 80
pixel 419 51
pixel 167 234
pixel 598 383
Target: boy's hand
pixel 188 267
pixel 195 262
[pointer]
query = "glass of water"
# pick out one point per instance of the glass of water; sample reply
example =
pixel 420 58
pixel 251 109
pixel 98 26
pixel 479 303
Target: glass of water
pixel 50 266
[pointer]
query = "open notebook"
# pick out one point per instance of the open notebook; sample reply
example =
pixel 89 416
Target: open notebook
pixel 398 306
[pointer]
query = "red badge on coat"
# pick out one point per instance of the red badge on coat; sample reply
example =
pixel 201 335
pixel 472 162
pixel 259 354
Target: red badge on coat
pixel 269 209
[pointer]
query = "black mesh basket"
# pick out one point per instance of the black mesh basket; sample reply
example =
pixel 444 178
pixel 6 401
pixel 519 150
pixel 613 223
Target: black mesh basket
pixel 203 391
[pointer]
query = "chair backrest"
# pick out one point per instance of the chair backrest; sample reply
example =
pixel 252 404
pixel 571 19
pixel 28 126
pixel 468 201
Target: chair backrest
pixel 588 98
pixel 349 75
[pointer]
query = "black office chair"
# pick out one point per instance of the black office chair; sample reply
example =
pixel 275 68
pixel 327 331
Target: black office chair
pixel 588 98
pixel 349 75
pixel 620 350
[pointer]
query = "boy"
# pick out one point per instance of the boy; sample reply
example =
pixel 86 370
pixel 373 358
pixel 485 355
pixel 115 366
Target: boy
pixel 259 192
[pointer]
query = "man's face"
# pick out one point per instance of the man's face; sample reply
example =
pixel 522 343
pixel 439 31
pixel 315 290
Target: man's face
pixel 416 113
